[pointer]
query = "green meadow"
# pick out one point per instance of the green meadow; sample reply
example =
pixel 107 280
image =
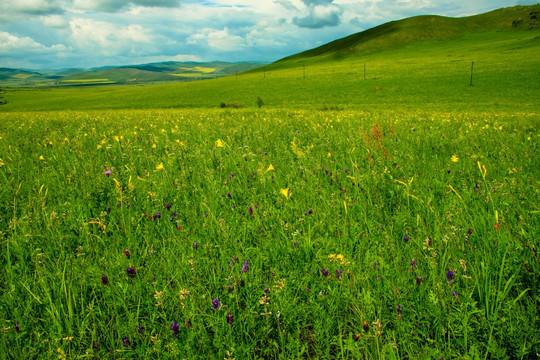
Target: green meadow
pixel 337 204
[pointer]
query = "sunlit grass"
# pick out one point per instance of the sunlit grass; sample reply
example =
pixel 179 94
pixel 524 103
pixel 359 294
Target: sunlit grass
pixel 384 234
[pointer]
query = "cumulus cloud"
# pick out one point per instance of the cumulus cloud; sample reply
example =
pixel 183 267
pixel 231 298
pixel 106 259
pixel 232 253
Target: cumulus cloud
pixel 317 2
pixel 221 40
pixel 54 21
pixel 117 5
pixel 107 38
pixel 19 47
pixel 287 4
pixel 10 42
pixel 31 7
pixel 319 17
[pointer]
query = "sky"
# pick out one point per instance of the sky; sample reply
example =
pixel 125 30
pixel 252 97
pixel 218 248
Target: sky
pixel 56 34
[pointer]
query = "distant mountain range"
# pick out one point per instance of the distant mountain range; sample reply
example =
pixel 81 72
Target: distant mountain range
pixel 144 74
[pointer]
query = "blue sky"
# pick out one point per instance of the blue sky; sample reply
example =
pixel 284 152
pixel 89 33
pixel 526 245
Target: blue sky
pixel 54 34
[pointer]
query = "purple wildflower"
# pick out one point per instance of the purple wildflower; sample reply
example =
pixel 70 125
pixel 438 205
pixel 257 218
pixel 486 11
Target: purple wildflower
pixel 215 304
pixel 126 342
pixel 140 330
pixel 126 253
pixel 245 267
pixel 418 280
pixel 266 290
pixel 338 273
pixel 95 346
pixel 104 279
pixel 168 206
pixel 230 318
pixel 174 213
pixel 17 327
pixel 413 262
pixel 295 243
pixel 374 265
pixel 450 275
pixel 310 212
pixel 109 209
pixel 229 195
pixel 429 241
pixel 405 238
pixel 108 172
pixel 470 231
pixel 325 272
pixel 195 245
pixel 175 328
pixel 158 215
pixel 250 210
pixel 131 272
pixel 399 309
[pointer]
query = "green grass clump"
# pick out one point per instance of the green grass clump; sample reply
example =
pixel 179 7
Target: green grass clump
pixel 324 234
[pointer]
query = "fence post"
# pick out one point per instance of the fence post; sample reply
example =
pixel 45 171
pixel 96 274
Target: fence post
pixel 364 71
pixel 472 66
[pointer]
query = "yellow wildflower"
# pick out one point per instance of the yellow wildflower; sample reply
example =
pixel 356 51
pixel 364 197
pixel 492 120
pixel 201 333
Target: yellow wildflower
pixel 41 157
pixel 271 167
pixel 160 166
pixel 219 143
pixel 455 158
pixel 153 146
pixel 284 192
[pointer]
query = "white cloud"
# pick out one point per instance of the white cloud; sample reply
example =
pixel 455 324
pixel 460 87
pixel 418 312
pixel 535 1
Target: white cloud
pixel 10 42
pixel 31 7
pixel 118 5
pixel 13 44
pixel 107 38
pixel 221 40
pixel 54 21
pixel 320 16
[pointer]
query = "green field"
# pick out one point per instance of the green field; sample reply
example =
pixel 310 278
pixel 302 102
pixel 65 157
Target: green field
pixel 394 216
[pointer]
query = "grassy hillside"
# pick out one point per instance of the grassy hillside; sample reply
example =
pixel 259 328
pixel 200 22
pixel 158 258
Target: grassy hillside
pixel 400 33
pixel 429 73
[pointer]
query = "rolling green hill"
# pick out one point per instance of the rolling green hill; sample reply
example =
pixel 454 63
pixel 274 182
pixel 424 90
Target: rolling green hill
pixel 396 34
pixel 417 62
pixel 145 74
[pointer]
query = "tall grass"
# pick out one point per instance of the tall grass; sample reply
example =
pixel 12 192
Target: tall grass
pixel 321 234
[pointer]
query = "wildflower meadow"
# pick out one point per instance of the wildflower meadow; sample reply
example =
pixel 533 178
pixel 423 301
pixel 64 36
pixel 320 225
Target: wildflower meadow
pixel 269 233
